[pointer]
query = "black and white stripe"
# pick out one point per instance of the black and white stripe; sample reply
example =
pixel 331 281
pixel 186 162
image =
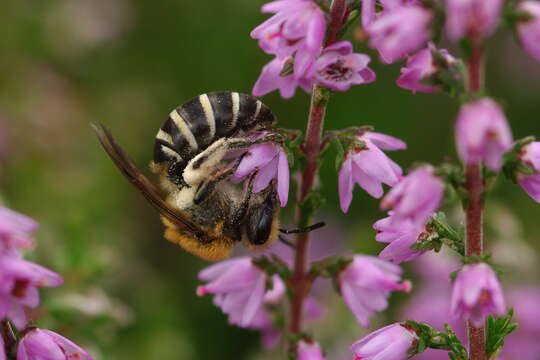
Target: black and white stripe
pixel 199 122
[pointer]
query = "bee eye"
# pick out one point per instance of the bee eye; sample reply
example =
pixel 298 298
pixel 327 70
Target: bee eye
pixel 260 222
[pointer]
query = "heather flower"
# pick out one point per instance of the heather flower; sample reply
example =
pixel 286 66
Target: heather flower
pixel 400 31
pixel 308 351
pixel 482 133
pixel 338 67
pixel 416 197
pixel 471 17
pixel 420 67
pixel 392 342
pixel 366 283
pixel 297 27
pixel 270 162
pixel 19 280
pixel 530 155
pixel 528 30
pixel 15 230
pixel 239 288
pixel 38 344
pixel 2 349
pixel 476 294
pixel 369 167
pixel 401 236
pixel 271 79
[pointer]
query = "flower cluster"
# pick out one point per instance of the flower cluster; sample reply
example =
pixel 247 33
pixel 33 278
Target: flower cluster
pixel 294 35
pixel 19 284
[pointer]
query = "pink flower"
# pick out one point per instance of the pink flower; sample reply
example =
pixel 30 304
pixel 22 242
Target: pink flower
pixel 476 294
pixel 401 236
pixel 308 351
pixel 482 133
pixel 298 27
pixel 271 79
pixel 19 280
pixel 15 230
pixel 416 197
pixel 530 155
pixel 400 31
pixel 239 287
pixel 392 342
pixel 338 67
pixel 471 17
pixel 369 167
pixel 2 349
pixel 40 344
pixel 421 67
pixel 270 160
pixel 528 31
pixel 366 283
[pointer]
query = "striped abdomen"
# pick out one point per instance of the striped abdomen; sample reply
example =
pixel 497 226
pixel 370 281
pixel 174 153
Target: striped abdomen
pixel 196 124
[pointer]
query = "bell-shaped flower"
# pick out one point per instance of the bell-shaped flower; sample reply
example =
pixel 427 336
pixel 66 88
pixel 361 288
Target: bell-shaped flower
pixel 421 67
pixel 270 162
pixel 19 282
pixel 477 18
pixel 369 167
pixel 15 230
pixel 530 156
pixel 338 67
pixel 482 133
pixel 308 351
pixel 39 344
pixel 416 197
pixel 239 287
pixel 400 236
pixel 392 342
pixel 400 31
pixel 297 27
pixel 477 293
pixel 366 284
pixel 271 79
pixel 528 30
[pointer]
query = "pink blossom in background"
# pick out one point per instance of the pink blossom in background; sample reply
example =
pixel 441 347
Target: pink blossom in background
pixel 482 133
pixel 416 197
pixel 400 235
pixel 392 342
pixel 2 349
pixel 271 79
pixel 239 288
pixel 270 160
pixel 338 67
pixel 471 17
pixel 19 282
pixel 530 155
pixel 308 351
pixel 528 31
pixel 421 67
pixel 400 31
pixel 366 283
pixel 477 293
pixel 15 230
pixel 40 344
pixel 369 167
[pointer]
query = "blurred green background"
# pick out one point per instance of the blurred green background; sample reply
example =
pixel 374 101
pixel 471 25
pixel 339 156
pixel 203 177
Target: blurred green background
pixel 126 63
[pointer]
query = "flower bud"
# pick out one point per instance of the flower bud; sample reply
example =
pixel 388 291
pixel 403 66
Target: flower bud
pixel 471 18
pixel 477 293
pixel 393 342
pixel 530 156
pixel 482 133
pixel 528 30
pixel 308 351
pixel 40 344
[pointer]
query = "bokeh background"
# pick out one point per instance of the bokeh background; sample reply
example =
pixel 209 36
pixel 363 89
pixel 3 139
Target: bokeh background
pixel 126 63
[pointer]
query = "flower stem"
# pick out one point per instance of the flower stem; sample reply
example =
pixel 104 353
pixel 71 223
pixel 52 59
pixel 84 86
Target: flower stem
pixel 8 335
pixel 475 206
pixel 312 148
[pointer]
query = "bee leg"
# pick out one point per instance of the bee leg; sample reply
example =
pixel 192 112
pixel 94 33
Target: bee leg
pixel 207 187
pixel 240 212
pixel 243 143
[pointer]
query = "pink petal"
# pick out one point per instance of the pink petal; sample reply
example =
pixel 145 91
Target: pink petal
pixel 345 184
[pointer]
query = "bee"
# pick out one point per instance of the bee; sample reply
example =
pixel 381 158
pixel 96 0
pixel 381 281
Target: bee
pixel 201 212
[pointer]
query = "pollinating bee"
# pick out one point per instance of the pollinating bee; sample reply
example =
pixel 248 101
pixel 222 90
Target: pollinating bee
pixel 202 212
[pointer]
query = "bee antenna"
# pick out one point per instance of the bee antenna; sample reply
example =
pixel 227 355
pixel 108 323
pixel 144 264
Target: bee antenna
pixel 305 229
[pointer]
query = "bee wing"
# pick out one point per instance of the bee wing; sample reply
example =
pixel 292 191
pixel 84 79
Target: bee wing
pixel 141 182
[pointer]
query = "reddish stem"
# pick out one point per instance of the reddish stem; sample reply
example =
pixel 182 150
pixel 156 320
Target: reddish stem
pixel 311 147
pixel 475 206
